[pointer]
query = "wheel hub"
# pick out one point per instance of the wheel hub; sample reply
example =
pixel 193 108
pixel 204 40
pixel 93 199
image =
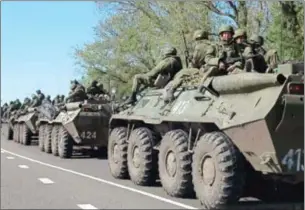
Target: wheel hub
pixel 136 157
pixel 116 153
pixel 208 170
pixel 171 163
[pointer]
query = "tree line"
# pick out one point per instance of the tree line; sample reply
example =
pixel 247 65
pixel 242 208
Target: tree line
pixel 128 41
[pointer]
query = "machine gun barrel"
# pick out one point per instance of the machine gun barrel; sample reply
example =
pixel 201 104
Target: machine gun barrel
pixel 245 82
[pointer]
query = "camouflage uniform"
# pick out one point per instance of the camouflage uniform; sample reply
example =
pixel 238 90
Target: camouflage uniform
pixel 56 100
pixel 190 75
pixel 48 98
pixel 271 56
pixel 77 93
pixel 169 65
pixel 214 57
pixel 35 101
pixel 95 89
pixel 40 95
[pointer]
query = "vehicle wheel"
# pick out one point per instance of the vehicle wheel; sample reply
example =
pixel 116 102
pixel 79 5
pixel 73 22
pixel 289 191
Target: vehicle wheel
pixel 20 137
pixel 9 133
pixel 218 174
pixel 47 138
pixel 54 141
pixel 41 137
pixel 25 135
pixel 175 164
pixel 65 145
pixel 18 133
pixel 117 153
pixel 142 160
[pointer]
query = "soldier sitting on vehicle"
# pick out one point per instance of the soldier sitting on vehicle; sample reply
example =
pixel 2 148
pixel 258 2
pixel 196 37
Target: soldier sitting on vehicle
pixel 56 100
pixel 62 99
pixel 35 101
pixel 48 98
pixel 77 92
pixel 40 95
pixel 271 56
pixel 25 105
pixel 95 89
pixel 160 75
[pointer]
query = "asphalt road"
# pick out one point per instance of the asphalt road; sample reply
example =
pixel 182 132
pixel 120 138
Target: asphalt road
pixel 35 180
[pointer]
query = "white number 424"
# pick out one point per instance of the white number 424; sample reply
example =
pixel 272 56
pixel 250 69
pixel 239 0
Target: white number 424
pixel 294 159
pixel 88 135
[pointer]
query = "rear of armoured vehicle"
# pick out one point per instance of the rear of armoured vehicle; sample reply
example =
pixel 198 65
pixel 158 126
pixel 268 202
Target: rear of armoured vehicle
pixel 82 124
pixel 24 126
pixel 216 140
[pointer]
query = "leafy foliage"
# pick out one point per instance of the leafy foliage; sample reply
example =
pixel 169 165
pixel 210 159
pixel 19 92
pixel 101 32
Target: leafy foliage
pixel 129 40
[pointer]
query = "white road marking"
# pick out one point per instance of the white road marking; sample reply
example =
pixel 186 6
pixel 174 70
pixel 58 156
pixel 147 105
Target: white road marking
pixel 10 158
pixel 86 206
pixel 46 181
pixel 106 182
pixel 23 166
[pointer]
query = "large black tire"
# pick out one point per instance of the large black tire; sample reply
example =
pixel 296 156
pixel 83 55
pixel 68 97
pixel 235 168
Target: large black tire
pixel 9 134
pixel 141 158
pixel 65 144
pixel 18 133
pixel 20 136
pixel 26 135
pixel 117 153
pixel 47 138
pixel 54 142
pixel 41 137
pixel 216 157
pixel 175 164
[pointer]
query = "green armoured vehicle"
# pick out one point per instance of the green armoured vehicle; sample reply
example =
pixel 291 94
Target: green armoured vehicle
pixel 24 126
pixel 82 124
pixel 222 140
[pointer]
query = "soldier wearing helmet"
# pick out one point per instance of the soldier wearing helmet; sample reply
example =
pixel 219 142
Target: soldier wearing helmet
pixel 225 49
pixel 40 95
pixel 35 101
pixel 240 36
pixel 201 39
pixel 56 100
pixel 77 92
pixel 95 89
pixel 271 57
pixel 165 70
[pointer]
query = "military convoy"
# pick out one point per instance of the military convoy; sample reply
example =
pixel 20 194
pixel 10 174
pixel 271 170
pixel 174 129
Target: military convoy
pixel 211 139
pixel 74 124
pixel 215 139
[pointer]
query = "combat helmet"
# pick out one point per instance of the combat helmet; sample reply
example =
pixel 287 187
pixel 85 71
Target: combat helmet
pixel 200 34
pixel 256 39
pixel 240 32
pixel 226 28
pixel 169 51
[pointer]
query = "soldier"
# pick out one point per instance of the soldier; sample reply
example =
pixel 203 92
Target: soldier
pixel 77 93
pixel 56 100
pixel 35 101
pixel 167 67
pixel 215 54
pixel 26 104
pixel 40 95
pixel 201 39
pixel 95 88
pixel 240 36
pixel 49 98
pixel 271 56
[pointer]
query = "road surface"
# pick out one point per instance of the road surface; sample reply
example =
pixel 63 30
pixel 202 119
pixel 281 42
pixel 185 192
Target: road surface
pixel 31 179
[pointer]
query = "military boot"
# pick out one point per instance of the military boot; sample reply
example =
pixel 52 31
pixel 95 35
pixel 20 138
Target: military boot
pixel 132 98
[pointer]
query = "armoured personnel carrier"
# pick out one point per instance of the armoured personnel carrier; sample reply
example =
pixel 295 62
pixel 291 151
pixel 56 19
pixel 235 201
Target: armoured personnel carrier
pixel 25 126
pixel 214 139
pixel 77 124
